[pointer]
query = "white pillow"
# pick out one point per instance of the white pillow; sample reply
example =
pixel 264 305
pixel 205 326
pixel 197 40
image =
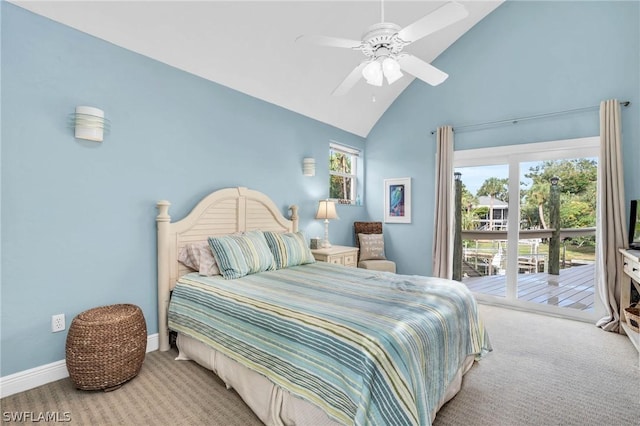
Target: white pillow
pixel 199 257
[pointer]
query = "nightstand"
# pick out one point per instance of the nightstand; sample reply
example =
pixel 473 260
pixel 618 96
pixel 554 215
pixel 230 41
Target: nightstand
pixel 342 255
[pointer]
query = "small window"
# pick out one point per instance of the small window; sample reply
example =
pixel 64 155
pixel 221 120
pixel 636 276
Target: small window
pixel 343 174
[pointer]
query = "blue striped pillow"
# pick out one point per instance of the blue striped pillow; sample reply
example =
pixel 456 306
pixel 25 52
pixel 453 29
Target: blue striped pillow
pixel 242 254
pixel 289 249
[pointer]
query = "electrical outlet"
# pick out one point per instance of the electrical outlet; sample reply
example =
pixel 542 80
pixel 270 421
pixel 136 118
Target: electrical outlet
pixel 57 323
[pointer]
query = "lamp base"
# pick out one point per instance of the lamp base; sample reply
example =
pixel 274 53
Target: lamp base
pixel 325 242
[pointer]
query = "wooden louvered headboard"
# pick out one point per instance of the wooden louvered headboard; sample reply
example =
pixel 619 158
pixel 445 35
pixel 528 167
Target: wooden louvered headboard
pixel 222 212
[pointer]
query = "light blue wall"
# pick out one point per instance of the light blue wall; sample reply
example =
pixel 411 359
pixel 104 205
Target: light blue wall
pixel 524 59
pixel 78 218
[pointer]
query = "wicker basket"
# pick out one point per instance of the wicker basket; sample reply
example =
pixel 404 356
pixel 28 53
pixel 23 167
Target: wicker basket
pixel 106 346
pixel 632 314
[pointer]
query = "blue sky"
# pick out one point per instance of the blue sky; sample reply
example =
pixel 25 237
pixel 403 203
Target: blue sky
pixel 473 177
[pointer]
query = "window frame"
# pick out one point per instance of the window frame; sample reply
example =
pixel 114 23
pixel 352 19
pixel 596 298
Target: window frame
pixel 355 155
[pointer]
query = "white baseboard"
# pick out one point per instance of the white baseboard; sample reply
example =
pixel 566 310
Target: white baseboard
pixel 38 376
pixel 32 378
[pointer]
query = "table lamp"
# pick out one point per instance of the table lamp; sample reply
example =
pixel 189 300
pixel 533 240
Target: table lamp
pixel 326 211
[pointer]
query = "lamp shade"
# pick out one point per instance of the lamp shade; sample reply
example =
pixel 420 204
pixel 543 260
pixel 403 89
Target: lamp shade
pixel 326 210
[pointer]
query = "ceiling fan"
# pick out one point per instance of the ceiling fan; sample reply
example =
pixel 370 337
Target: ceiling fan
pixel 383 45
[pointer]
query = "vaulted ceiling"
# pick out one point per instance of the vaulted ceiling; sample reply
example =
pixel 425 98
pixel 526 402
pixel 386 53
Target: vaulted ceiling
pixel 250 46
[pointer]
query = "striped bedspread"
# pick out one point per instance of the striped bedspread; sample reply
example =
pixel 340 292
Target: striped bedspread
pixel 369 348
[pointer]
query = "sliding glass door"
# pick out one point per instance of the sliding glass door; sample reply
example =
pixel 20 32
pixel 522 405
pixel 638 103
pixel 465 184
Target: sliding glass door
pixel 484 222
pixel 528 225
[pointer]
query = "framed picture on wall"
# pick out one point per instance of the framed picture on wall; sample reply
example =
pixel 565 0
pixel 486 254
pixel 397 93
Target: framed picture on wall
pixel 397 200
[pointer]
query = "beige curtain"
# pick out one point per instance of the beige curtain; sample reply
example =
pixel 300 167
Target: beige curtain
pixel 611 229
pixel 443 223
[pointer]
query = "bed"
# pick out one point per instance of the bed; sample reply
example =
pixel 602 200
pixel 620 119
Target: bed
pixel 310 343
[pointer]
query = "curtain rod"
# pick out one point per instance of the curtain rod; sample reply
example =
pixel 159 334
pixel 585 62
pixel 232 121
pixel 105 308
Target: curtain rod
pixel 531 117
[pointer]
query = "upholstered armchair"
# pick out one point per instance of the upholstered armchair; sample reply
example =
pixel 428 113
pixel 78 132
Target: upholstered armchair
pixel 370 241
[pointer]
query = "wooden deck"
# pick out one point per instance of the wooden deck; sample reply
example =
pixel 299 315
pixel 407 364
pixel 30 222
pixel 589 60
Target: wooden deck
pixel 573 288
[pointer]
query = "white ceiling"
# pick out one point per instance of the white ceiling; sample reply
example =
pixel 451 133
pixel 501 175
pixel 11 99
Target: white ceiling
pixel 250 45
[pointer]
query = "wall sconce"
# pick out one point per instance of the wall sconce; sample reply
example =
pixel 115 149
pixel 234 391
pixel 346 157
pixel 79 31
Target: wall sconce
pixel 309 166
pixel 90 124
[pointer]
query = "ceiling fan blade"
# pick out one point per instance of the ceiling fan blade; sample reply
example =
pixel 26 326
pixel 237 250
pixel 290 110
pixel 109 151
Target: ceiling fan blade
pixel 351 80
pixel 329 41
pixel 436 20
pixel 422 70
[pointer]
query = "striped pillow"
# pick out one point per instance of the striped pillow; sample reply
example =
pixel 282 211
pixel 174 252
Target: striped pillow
pixel 289 249
pixel 242 254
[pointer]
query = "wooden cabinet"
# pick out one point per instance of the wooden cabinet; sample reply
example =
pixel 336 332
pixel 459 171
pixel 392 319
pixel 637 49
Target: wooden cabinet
pixel 341 255
pixel 631 267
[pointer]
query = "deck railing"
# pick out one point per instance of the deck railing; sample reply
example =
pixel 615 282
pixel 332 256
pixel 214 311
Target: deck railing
pixel 531 263
pixel 477 234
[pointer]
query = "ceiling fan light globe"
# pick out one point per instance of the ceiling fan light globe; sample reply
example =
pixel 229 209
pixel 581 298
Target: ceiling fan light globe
pixel 391 70
pixel 373 73
pixel 377 81
pixel 390 65
pixel 392 77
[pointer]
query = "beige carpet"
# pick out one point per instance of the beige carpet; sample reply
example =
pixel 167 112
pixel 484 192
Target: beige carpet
pixel 543 371
pixel 548 371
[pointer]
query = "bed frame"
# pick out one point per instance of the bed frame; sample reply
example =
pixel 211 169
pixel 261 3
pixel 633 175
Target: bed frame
pixel 222 212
